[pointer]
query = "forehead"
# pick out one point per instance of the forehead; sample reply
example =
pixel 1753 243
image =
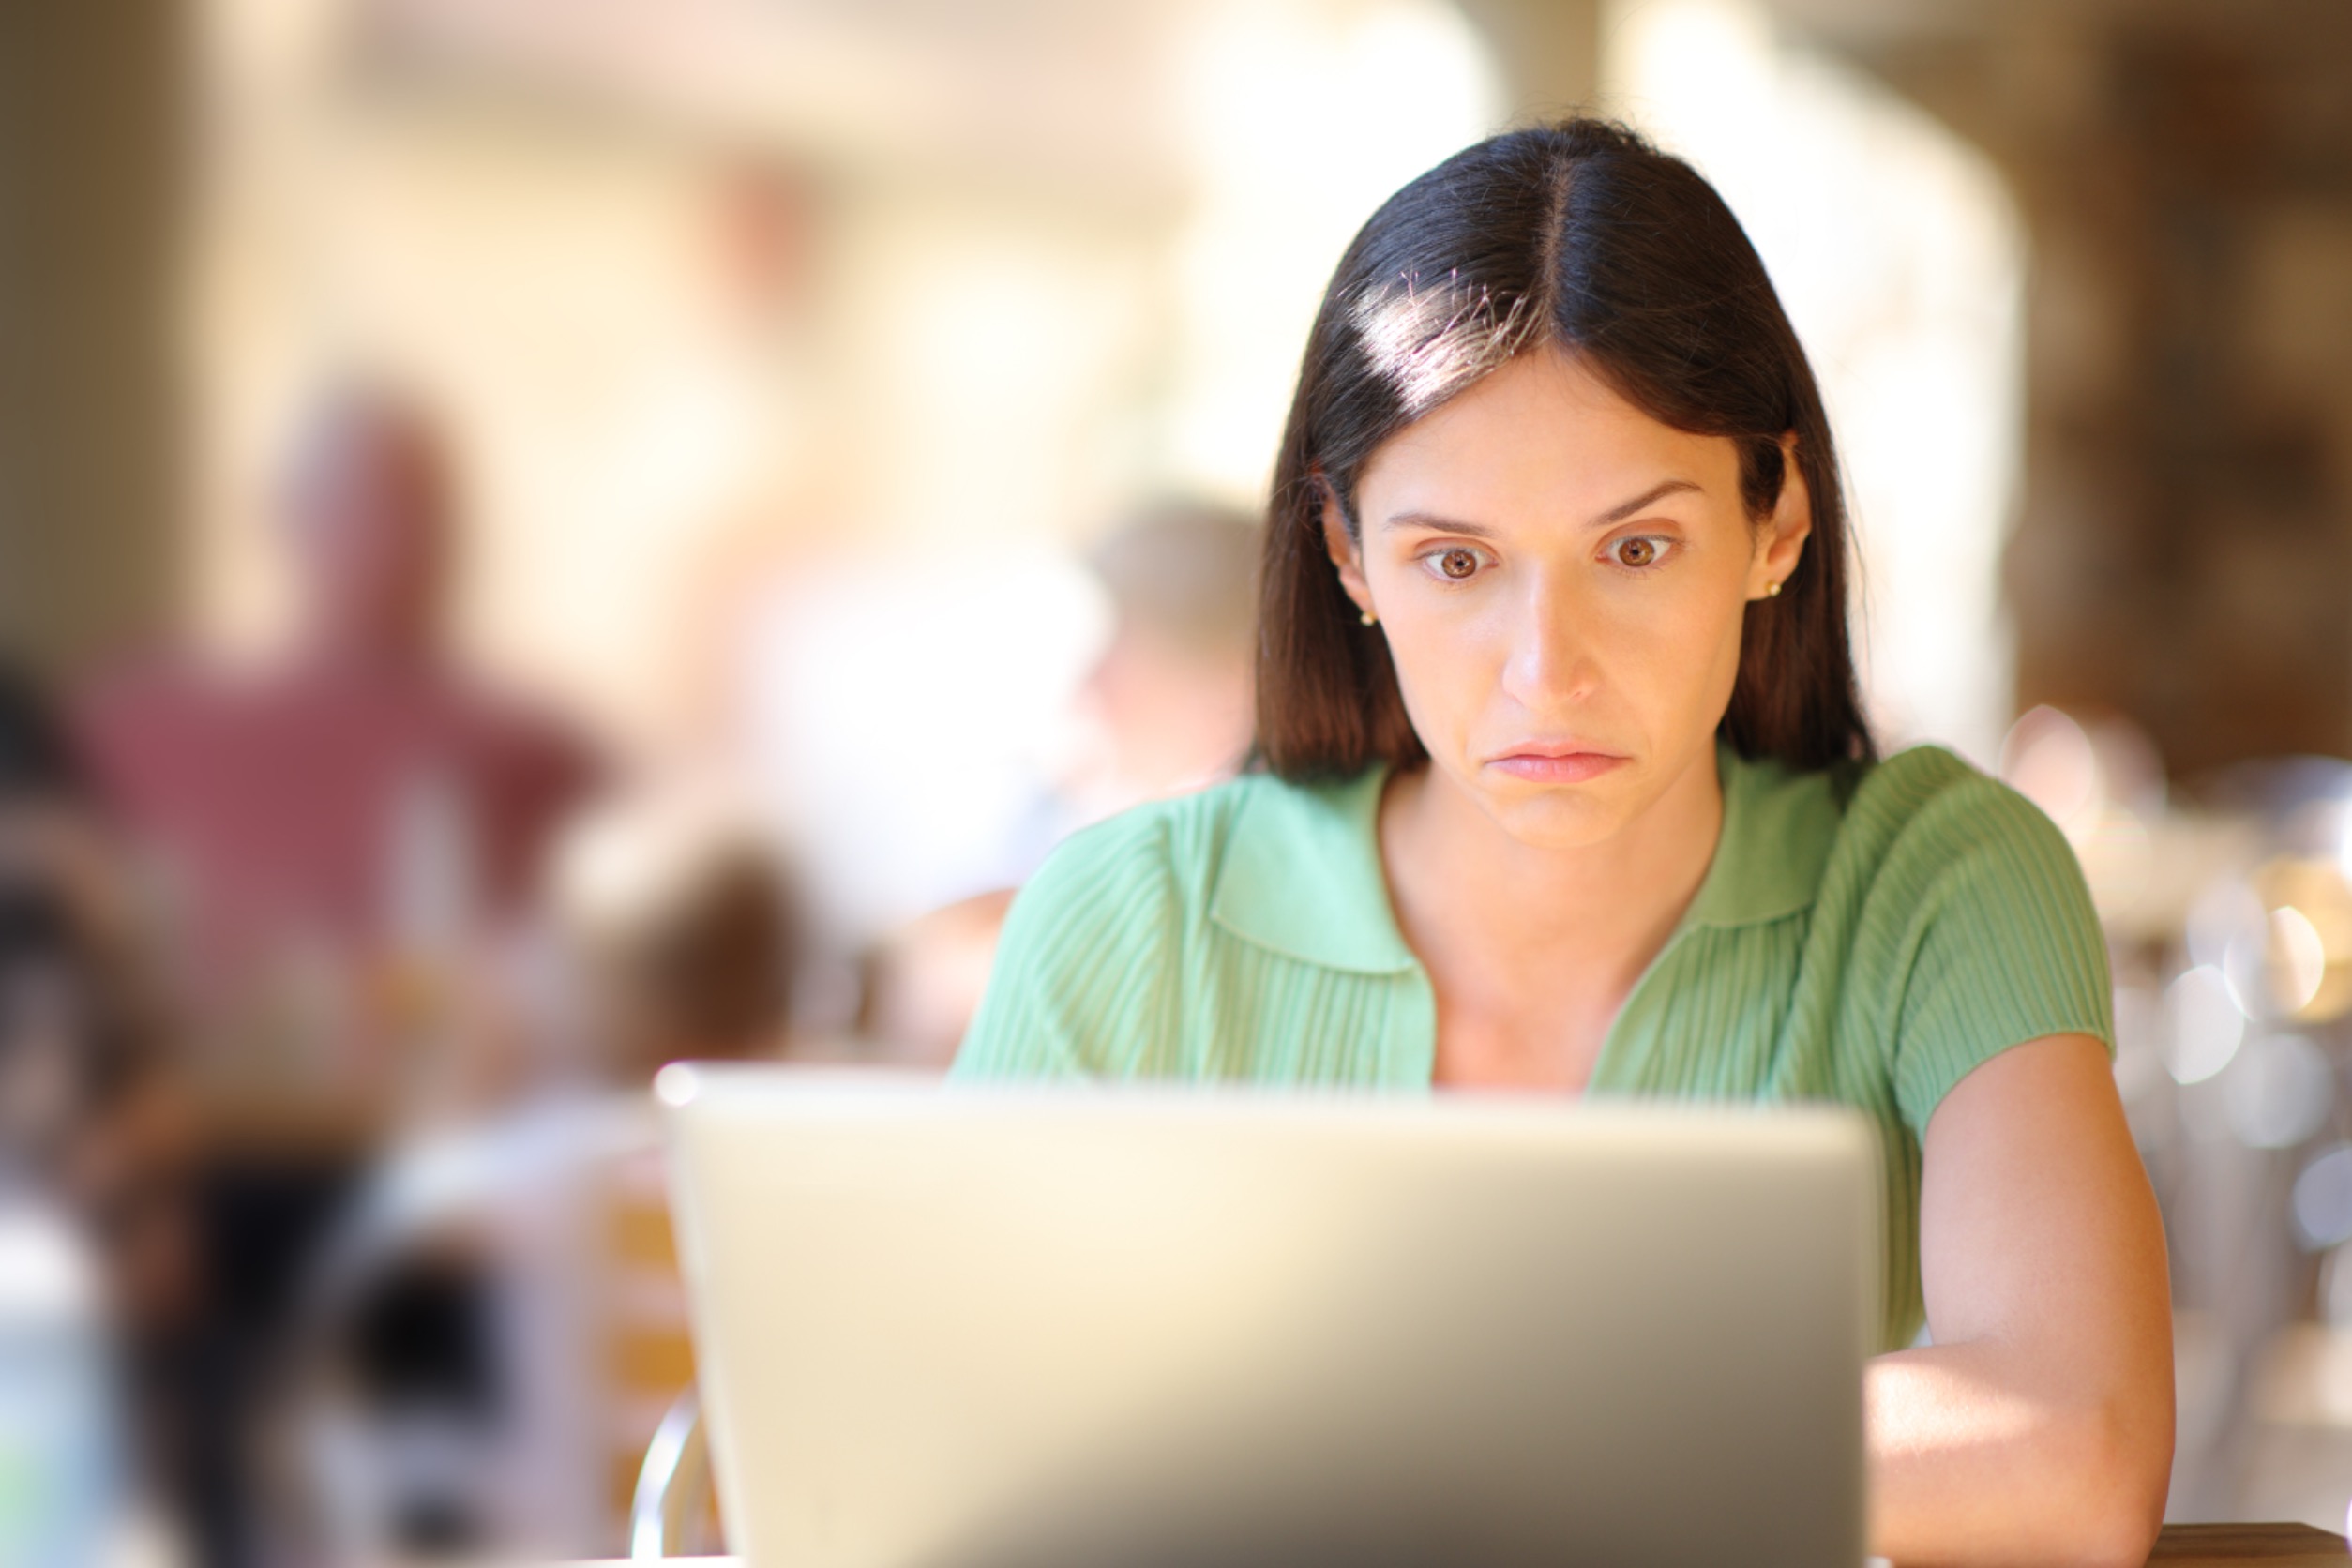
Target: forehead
pixel 1543 431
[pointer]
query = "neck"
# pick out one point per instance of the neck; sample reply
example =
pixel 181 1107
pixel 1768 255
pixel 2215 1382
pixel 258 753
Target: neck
pixel 329 647
pixel 1463 885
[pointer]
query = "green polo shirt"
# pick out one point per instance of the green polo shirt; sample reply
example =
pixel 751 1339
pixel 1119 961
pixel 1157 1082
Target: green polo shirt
pixel 1865 936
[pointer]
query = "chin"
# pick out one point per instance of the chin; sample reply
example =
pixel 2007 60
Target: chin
pixel 1554 817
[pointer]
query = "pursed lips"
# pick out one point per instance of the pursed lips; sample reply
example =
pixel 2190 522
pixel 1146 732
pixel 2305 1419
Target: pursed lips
pixel 1542 762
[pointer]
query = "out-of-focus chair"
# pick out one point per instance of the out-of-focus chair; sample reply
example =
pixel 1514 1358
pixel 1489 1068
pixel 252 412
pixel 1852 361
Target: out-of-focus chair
pixel 673 1499
pixel 557 1218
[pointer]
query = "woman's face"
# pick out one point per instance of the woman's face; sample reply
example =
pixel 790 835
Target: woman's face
pixel 1561 579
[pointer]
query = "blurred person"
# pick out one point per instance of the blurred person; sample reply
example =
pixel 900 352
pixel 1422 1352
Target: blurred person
pixel 859 670
pixel 92 1134
pixel 1563 787
pixel 362 805
pixel 1171 695
pixel 1165 709
pixel 77 1034
pixel 684 921
pixel 919 985
pixel 506 1324
pixel 710 979
pixel 342 839
pixel 693 957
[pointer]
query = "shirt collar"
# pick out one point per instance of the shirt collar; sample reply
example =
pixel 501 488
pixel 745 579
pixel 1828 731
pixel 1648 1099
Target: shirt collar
pixel 1778 826
pixel 1303 875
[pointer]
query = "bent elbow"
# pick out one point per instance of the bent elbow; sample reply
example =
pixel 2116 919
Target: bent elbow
pixel 2115 1537
pixel 2121 1457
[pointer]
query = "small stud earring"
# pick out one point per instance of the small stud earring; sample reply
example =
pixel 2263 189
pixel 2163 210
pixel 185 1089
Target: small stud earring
pixel 1772 590
pixel 1368 618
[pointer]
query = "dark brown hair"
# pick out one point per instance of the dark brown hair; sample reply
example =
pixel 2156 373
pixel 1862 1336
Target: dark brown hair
pixel 1582 235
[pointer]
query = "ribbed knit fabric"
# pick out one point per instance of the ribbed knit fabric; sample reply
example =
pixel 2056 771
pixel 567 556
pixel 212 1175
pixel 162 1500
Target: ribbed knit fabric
pixel 1866 940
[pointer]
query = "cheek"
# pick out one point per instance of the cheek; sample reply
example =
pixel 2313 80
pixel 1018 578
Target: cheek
pixel 1693 633
pixel 1679 659
pixel 1448 660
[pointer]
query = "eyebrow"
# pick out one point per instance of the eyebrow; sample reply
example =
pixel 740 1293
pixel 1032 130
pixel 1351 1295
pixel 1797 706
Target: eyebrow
pixel 1616 513
pixel 1625 509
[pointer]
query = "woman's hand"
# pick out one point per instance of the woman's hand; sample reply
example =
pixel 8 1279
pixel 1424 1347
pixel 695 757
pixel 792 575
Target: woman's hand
pixel 2038 1428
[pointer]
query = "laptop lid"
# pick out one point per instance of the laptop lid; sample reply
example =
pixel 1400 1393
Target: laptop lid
pixel 947 1327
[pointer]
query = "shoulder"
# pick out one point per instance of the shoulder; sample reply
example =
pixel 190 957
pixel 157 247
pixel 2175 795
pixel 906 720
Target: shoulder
pixel 1170 844
pixel 1926 807
pixel 1971 899
pixel 1843 839
pixel 1275 861
pixel 1086 977
pixel 1972 927
pixel 1141 874
pixel 1936 861
pixel 1921 773
pixel 142 725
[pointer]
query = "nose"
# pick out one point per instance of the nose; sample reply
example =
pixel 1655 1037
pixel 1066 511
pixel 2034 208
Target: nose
pixel 1550 664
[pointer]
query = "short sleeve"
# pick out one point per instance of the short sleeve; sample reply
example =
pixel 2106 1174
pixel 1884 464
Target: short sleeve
pixel 1084 980
pixel 2000 941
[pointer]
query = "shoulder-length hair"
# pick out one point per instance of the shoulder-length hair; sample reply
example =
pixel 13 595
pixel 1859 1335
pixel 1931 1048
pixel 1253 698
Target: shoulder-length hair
pixel 1582 235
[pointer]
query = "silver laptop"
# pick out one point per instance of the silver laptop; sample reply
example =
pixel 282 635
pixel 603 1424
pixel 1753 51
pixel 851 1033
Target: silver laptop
pixel 964 1328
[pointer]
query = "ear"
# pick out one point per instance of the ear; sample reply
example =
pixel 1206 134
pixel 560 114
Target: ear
pixel 1344 552
pixel 1781 542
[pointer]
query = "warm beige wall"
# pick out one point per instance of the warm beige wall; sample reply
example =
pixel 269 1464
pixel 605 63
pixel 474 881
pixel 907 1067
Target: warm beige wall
pixel 89 182
pixel 1548 53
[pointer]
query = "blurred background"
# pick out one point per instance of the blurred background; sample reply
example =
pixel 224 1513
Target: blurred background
pixel 538 539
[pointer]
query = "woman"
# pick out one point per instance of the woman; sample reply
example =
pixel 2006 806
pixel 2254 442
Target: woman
pixel 1565 786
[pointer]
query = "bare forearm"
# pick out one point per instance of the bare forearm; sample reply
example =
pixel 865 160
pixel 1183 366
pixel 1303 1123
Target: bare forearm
pixel 2038 1428
pixel 1979 1456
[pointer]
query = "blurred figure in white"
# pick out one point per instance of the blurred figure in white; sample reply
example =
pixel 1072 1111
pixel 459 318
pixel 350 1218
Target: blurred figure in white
pixel 1166 708
pixel 904 711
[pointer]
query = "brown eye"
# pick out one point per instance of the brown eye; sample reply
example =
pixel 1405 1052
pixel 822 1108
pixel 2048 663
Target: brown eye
pixel 1457 564
pixel 1637 552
